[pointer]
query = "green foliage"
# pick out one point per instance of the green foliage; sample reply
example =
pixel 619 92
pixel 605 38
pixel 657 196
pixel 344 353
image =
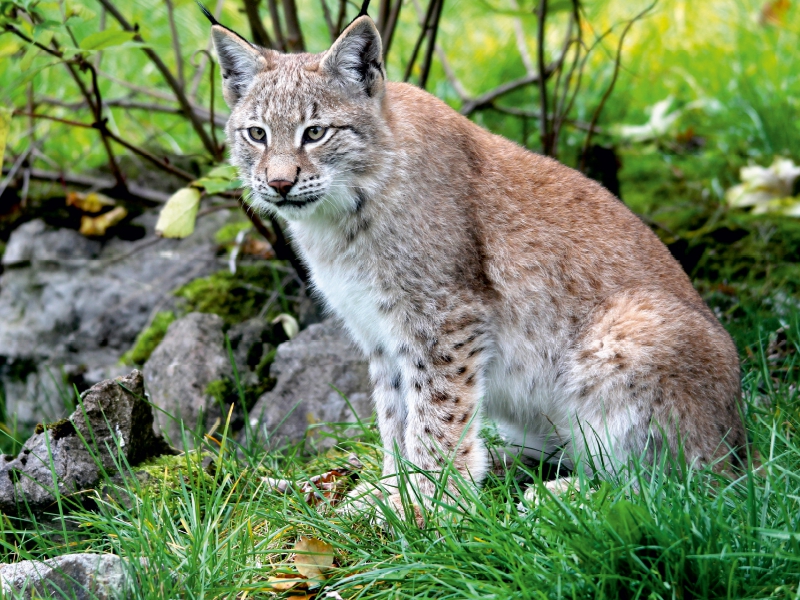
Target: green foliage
pixel 149 339
pixel 235 297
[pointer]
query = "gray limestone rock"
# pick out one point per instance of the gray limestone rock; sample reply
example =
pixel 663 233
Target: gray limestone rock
pixel 70 306
pixel 113 420
pixel 191 355
pixel 35 241
pixel 79 576
pixel 307 369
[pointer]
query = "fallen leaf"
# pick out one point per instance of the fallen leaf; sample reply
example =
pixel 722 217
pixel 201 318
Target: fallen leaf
pixel 313 557
pixel 258 248
pixel 178 216
pixel 289 323
pixel 92 202
pixel 284 582
pixel 97 226
pixel 5 123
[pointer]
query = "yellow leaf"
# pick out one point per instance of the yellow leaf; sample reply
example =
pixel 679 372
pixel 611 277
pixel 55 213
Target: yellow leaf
pixel 5 123
pixel 178 216
pixel 313 557
pixel 97 226
pixel 284 583
pixel 91 202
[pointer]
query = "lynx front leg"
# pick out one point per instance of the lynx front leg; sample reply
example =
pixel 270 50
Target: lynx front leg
pixel 387 379
pixel 444 384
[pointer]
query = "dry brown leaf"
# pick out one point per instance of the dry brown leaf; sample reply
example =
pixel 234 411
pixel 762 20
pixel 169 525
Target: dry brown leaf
pixel 97 226
pixel 307 596
pixel 90 203
pixel 313 557
pixel 285 581
pixel 257 248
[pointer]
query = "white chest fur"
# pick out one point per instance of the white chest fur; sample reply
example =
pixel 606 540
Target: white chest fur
pixel 347 285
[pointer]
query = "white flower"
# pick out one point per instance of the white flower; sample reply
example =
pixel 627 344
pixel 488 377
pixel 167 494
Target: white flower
pixel 767 189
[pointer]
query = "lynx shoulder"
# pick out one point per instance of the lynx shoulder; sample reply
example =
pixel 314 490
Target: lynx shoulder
pixel 482 281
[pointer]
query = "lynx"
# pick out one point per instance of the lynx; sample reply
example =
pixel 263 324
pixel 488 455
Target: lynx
pixel 482 281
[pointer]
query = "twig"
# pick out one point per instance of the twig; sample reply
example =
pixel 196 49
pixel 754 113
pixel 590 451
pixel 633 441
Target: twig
pixel 169 78
pixel 326 14
pixel 426 63
pixel 420 39
pixel 280 41
pixel 257 31
pixel 342 14
pixel 522 47
pixel 387 35
pixel 544 126
pixel 610 88
pixel 200 69
pixel 97 183
pixel 176 42
pixel 294 35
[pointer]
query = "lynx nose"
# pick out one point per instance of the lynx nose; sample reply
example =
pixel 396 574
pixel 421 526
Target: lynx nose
pixel 281 186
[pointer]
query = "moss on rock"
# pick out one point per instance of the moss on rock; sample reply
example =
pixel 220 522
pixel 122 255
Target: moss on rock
pixel 148 340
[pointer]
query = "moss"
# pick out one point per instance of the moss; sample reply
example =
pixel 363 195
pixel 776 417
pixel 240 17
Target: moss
pixel 148 340
pixel 235 297
pixel 171 473
pixel 59 429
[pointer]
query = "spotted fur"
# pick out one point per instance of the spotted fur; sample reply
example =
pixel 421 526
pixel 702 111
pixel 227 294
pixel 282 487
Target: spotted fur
pixel 483 281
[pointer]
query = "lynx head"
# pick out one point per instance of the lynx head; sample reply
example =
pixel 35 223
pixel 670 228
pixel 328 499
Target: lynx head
pixel 305 129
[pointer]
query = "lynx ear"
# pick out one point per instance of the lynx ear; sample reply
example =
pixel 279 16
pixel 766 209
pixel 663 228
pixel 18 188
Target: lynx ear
pixel 239 61
pixel 355 58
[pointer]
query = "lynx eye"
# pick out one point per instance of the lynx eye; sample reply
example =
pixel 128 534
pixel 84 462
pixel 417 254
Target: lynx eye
pixel 313 134
pixel 257 134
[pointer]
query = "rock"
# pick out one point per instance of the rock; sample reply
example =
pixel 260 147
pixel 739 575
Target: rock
pixel 250 342
pixel 79 576
pixel 306 367
pixel 191 356
pixel 35 241
pixel 114 420
pixel 70 306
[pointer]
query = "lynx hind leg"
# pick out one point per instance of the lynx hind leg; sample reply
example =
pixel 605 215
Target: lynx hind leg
pixel 650 370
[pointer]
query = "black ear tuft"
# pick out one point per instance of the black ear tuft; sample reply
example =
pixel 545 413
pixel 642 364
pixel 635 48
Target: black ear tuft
pixel 364 9
pixel 208 14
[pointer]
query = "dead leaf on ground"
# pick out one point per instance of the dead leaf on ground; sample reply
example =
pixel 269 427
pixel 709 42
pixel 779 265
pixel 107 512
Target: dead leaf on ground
pixel 285 581
pixel 93 202
pixel 313 557
pixel 329 486
pixel 97 226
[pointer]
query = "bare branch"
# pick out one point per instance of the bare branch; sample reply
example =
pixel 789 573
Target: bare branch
pixel 176 43
pixel 342 14
pixel 294 35
pixel 197 124
pixel 200 69
pixel 434 29
pixel 544 122
pixel 259 35
pixel 387 34
pixel 326 13
pixel 96 183
pixel 275 17
pixel 522 47
pixel 487 98
pixel 420 39
pixel 610 88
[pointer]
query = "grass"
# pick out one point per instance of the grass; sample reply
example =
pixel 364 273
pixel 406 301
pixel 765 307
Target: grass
pixel 211 527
